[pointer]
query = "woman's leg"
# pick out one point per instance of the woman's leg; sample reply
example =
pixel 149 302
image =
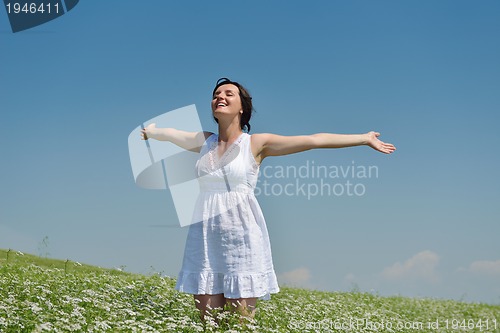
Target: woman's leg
pixel 245 306
pixel 208 303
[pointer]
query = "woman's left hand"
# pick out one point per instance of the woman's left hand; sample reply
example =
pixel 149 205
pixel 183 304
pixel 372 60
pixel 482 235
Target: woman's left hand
pixel 375 143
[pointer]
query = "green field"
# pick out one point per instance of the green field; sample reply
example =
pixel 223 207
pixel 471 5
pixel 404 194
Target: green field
pixel 47 295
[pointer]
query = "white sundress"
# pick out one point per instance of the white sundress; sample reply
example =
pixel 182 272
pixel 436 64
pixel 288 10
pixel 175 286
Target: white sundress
pixel 227 248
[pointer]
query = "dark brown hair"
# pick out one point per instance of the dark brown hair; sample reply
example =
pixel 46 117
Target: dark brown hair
pixel 246 102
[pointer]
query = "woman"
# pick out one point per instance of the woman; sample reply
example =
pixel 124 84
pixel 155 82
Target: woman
pixel 227 259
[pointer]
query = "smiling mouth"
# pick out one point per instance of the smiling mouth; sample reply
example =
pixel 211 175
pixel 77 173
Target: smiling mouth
pixel 220 106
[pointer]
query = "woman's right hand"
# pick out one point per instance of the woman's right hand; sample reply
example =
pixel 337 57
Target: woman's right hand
pixel 148 132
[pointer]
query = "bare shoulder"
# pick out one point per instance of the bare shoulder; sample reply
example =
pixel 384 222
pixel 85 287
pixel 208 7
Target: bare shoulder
pixel 262 140
pixel 193 141
pixel 269 144
pixel 259 139
pixel 201 138
pixel 207 134
pixel 258 142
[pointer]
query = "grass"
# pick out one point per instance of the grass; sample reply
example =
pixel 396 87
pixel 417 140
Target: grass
pixel 47 295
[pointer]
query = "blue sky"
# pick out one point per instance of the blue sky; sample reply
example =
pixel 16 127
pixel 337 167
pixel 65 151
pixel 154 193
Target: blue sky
pixel 425 74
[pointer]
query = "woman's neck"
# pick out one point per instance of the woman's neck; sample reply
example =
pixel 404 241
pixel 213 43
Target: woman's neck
pixel 229 133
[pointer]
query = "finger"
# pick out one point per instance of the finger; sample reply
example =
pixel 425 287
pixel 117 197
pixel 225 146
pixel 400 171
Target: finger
pixel 386 151
pixel 387 147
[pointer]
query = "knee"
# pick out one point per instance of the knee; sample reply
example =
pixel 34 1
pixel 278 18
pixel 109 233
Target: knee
pixel 244 306
pixel 208 304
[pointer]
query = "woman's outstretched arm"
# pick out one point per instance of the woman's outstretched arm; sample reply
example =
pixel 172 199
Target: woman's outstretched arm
pixel 188 140
pixel 266 144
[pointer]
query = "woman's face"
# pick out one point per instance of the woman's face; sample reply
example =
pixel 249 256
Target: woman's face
pixel 226 100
